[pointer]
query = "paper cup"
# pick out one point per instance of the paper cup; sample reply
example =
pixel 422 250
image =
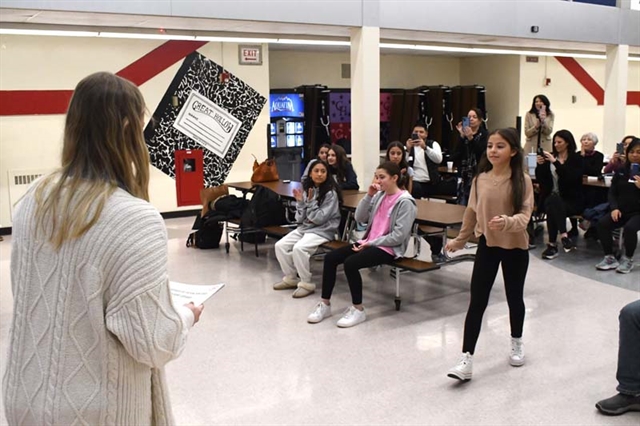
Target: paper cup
pixel 607 180
pixel 450 165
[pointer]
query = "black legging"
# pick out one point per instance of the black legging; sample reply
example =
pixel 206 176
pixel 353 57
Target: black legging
pixel 353 262
pixel 557 211
pixel 631 225
pixel 515 263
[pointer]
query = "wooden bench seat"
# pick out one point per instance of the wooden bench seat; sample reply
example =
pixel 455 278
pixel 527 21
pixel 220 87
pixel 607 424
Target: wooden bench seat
pixel 277 231
pixel 334 244
pixel 414 265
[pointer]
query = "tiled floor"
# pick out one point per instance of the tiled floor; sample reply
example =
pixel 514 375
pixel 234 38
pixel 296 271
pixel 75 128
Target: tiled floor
pixel 253 359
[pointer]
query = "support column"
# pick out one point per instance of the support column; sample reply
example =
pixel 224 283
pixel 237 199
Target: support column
pixel 615 96
pixel 365 102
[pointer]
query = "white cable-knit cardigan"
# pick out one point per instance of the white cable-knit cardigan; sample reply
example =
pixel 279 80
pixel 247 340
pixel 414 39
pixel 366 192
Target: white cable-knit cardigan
pixel 93 323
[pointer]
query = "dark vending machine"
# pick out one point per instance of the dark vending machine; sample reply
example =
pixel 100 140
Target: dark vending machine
pixel 286 132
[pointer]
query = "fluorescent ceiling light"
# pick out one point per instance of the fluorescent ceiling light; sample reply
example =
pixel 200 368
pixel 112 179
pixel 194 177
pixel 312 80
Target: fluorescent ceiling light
pixel 50 33
pixel 488 51
pixel 313 42
pixel 237 39
pixel 146 36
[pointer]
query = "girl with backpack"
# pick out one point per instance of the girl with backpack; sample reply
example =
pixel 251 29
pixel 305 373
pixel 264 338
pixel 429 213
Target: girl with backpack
pixel 389 212
pixel 318 216
pixel 500 205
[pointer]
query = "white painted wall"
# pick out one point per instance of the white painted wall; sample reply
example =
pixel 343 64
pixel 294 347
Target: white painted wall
pixel 30 142
pixel 500 74
pixel 291 68
pixel 584 115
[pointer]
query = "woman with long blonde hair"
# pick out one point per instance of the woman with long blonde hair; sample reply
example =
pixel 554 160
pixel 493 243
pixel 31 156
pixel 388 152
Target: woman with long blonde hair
pixel 93 322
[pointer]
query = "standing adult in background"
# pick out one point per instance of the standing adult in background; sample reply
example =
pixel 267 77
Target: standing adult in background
pixel 424 156
pixel 592 160
pixel 93 320
pixel 472 145
pixel 341 169
pixel 560 176
pixel 538 125
pixel 498 213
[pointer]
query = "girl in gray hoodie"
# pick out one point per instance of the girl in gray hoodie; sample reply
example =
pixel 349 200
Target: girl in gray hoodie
pixel 318 217
pixel 390 212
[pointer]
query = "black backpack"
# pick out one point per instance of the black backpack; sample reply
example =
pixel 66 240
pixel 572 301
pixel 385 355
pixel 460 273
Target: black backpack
pixel 265 209
pixel 208 234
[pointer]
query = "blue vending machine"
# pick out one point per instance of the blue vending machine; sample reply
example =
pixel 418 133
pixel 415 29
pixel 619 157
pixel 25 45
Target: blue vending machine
pixel 286 132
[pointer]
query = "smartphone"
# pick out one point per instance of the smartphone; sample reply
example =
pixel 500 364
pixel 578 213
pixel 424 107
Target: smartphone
pixel 634 170
pixel 465 121
pixel 541 152
pixel 414 136
pixel 620 148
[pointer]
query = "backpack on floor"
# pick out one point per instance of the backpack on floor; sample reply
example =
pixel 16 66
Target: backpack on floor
pixel 265 209
pixel 208 232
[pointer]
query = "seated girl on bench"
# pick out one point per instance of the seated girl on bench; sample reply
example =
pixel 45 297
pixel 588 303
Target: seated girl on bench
pixel 390 212
pixel 318 216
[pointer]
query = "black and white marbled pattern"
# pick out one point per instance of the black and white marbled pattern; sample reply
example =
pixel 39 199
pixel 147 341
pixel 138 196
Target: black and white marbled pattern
pixel 202 75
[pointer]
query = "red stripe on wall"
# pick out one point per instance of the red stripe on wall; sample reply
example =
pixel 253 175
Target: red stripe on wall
pixel 583 77
pixel 158 60
pixel 30 102
pixel 633 98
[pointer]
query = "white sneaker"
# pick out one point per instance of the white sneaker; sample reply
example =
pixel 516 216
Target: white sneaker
pixel 320 312
pixel 516 358
pixel 463 369
pixel 352 316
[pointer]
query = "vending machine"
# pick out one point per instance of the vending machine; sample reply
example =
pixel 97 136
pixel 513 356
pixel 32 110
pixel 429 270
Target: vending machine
pixel 286 132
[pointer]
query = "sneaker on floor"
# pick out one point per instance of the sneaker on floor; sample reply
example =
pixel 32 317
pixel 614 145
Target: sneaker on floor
pixel 516 358
pixel 439 258
pixel 609 262
pixel 567 244
pixel 463 369
pixel 320 312
pixel 626 265
pixel 352 316
pixel 551 252
pixel 619 404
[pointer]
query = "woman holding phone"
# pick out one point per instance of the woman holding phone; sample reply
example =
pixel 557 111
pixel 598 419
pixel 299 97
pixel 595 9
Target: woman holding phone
pixel 618 158
pixel 624 200
pixel 472 145
pixel 538 125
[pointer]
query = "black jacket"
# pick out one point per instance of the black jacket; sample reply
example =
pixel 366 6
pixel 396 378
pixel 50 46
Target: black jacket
pixel 624 195
pixel 569 179
pixel 465 147
pixel 593 164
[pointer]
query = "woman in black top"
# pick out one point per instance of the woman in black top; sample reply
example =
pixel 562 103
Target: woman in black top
pixel 559 174
pixel 624 200
pixel 472 144
pixel 593 160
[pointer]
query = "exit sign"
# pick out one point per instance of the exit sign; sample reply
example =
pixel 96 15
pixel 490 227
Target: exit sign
pixel 250 55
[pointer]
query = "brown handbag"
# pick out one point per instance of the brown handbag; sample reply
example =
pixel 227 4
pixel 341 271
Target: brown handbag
pixel 265 171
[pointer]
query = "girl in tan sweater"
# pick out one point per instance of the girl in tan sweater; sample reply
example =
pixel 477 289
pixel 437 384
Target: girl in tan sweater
pixel 500 205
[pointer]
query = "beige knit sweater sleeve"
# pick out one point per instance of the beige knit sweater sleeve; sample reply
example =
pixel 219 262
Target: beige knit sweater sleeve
pixel 139 310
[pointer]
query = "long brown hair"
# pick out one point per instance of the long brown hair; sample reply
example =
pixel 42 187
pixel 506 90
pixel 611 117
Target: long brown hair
pixel 516 164
pixel 103 149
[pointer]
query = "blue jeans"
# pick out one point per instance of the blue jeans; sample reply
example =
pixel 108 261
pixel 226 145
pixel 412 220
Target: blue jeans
pixel 628 374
